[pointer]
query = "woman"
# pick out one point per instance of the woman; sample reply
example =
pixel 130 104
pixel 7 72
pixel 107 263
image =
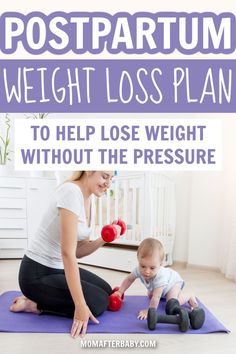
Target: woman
pixel 49 276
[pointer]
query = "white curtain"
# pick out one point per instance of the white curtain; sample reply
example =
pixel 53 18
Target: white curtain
pixel 228 239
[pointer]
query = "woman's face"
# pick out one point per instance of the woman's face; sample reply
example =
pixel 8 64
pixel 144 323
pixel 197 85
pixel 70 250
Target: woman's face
pixel 99 182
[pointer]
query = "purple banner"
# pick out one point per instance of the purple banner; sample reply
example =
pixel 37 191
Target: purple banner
pixel 154 86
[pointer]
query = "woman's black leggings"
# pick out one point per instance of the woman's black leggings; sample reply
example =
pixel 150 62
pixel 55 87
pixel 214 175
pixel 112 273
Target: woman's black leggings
pixel 48 288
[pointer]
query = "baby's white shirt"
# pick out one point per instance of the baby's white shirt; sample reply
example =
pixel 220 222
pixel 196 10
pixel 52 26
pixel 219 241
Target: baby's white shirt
pixel 165 277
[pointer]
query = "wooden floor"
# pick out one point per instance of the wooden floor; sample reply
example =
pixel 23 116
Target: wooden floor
pixel 218 294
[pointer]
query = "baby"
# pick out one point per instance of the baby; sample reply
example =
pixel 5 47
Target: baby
pixel 159 281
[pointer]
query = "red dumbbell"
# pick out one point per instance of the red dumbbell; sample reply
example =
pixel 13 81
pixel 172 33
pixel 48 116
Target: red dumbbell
pixel 109 232
pixel 115 301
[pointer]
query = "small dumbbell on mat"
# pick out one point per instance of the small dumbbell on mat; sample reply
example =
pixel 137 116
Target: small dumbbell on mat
pixel 115 301
pixel 181 319
pixel 196 316
pixel 109 232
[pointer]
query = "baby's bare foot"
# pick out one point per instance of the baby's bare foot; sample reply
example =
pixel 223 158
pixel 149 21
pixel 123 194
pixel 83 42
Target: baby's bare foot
pixel 22 304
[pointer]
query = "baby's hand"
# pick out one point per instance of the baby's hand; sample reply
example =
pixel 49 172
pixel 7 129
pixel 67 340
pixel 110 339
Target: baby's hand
pixel 142 314
pixel 117 293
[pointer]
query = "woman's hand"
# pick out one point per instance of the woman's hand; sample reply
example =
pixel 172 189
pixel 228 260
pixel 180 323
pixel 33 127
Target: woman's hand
pixel 82 315
pixel 118 228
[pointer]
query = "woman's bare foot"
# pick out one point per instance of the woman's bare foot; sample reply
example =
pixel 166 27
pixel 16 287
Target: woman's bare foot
pixel 22 304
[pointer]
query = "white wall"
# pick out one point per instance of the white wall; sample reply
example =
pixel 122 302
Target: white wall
pixel 183 190
pixel 205 219
pixel 198 218
pixel 203 207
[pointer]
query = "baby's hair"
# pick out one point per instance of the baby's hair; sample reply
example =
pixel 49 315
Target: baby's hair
pixel 149 246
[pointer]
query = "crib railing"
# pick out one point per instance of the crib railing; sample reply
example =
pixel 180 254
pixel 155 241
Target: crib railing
pixel 146 202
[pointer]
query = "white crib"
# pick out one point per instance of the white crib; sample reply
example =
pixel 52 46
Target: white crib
pixel 146 202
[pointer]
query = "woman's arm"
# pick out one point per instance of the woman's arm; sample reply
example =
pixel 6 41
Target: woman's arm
pixel 68 235
pixel 68 230
pixel 86 247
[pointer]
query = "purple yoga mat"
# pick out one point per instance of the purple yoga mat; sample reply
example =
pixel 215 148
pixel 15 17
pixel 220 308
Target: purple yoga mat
pixel 123 321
